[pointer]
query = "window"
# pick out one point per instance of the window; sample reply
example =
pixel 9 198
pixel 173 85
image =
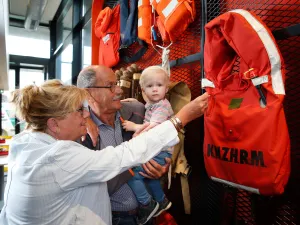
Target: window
pixel 11 80
pixel 31 76
pixel 86 45
pixel 8 110
pixel 64 26
pixel 64 65
pixel 87 4
pixel 29 43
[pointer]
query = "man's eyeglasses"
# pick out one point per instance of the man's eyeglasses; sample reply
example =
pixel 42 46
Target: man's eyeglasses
pixel 82 109
pixel 112 86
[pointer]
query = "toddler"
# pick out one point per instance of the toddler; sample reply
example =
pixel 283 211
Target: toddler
pixel 154 83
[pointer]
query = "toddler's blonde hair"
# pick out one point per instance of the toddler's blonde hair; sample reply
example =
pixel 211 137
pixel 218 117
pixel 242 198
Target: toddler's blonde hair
pixel 150 70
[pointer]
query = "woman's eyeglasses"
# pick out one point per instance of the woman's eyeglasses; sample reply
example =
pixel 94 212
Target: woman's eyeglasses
pixel 82 109
pixel 112 86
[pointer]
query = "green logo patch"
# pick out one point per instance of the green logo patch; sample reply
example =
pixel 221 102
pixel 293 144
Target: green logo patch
pixel 235 103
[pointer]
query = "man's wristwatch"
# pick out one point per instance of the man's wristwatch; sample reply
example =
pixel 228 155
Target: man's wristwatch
pixel 177 123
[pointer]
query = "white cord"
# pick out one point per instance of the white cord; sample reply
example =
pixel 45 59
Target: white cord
pixel 165 58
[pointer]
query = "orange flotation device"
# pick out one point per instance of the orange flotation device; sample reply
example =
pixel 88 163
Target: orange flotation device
pixel 107 29
pixel 174 16
pixel 144 20
pixel 246 143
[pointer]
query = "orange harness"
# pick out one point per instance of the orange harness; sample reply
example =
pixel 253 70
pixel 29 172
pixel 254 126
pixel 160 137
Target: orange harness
pixel 246 143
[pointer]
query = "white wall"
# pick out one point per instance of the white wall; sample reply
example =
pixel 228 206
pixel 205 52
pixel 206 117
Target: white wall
pixel 3 40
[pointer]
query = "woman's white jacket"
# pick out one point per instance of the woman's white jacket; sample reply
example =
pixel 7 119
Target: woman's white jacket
pixel 62 182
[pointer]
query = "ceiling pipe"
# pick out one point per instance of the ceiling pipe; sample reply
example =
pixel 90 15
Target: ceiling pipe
pixel 35 10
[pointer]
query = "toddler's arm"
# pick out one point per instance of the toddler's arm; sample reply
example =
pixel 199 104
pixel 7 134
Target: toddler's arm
pixel 143 128
pixel 130 126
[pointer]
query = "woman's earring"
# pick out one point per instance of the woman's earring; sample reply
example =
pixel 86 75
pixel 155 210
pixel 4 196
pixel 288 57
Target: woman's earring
pixel 57 130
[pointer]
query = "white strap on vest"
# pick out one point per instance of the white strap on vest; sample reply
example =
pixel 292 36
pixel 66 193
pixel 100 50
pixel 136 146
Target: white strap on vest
pixel 274 56
pixel 207 83
pixel 260 80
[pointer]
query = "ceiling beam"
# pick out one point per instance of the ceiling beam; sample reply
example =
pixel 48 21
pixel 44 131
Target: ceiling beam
pixel 19 22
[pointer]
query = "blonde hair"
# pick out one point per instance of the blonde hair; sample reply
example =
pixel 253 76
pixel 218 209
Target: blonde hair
pixel 150 70
pixel 52 99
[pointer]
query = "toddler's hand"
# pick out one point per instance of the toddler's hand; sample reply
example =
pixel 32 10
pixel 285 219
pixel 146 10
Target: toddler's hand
pixel 128 125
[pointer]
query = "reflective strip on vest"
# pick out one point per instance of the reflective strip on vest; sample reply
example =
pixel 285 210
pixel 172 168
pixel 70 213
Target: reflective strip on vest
pixel 140 3
pixel 207 83
pixel 260 80
pixel 274 56
pixel 170 7
pixel 250 189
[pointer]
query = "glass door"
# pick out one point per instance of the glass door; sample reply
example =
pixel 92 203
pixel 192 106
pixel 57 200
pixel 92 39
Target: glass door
pixel 19 77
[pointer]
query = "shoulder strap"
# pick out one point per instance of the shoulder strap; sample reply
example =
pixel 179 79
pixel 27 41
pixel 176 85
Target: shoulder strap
pixel 287 32
pixel 124 54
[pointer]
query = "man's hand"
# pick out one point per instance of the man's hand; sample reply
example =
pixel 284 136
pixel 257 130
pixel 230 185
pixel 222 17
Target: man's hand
pixel 155 170
pixel 129 100
pixel 92 130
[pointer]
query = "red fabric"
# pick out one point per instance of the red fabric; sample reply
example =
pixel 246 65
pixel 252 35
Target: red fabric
pixel 96 8
pixel 107 29
pixel 165 219
pixel 177 21
pixel 247 145
pixel 162 30
pixel 145 21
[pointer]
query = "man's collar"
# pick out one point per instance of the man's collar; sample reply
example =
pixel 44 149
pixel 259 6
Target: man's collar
pixel 98 122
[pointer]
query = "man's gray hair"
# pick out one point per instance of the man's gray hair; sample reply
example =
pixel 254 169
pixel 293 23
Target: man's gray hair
pixel 86 78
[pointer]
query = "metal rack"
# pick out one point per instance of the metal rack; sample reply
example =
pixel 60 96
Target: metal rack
pixel 214 203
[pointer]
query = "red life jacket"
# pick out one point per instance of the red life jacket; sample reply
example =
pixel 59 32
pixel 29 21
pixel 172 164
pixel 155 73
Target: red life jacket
pixel 246 143
pixel 144 20
pixel 107 29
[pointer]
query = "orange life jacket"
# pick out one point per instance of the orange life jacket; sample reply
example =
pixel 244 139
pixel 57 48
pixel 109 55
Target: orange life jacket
pixel 144 20
pixel 174 16
pixel 107 29
pixel 246 143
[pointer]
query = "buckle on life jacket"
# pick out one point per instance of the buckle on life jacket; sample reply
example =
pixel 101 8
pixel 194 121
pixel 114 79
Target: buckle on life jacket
pixel 250 74
pixel 187 171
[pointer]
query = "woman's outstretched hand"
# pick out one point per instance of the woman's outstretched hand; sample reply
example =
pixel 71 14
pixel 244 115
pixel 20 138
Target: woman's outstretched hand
pixel 193 109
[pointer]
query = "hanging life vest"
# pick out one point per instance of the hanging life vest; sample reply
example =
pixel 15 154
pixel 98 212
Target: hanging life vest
pixel 174 17
pixel 107 29
pixel 144 20
pixel 246 142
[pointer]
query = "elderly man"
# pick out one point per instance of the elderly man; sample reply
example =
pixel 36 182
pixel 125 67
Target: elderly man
pixel 107 112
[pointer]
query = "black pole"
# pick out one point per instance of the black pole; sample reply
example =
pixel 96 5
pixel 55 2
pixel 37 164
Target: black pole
pixel 17 86
pixel 203 22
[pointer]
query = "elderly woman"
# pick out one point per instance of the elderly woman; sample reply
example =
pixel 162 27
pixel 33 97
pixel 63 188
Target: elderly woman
pixel 54 180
